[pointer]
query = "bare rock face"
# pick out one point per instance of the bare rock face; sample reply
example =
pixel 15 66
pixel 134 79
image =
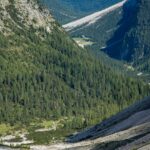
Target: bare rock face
pixel 24 13
pixel 135 115
pixel 128 129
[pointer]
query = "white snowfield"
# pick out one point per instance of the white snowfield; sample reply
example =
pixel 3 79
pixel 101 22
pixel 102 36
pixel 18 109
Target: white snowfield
pixel 90 19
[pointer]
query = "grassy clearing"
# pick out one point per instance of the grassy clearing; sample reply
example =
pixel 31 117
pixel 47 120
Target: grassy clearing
pixel 47 124
pixel 59 130
pixel 83 41
pixel 49 137
pixel 5 129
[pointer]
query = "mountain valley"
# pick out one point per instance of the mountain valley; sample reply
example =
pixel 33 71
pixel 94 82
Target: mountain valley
pixel 112 33
pixel 52 87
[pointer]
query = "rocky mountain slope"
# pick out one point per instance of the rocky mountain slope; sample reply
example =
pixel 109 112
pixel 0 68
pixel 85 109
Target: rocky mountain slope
pixel 133 116
pixel 68 10
pixel 91 19
pixel 129 129
pixel 29 14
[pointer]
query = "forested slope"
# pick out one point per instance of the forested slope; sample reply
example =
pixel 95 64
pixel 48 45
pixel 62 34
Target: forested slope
pixel 136 41
pixel 108 31
pixel 44 74
pixel 134 47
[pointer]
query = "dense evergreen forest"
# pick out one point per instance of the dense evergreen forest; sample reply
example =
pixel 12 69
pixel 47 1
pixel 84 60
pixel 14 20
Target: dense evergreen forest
pixel 46 75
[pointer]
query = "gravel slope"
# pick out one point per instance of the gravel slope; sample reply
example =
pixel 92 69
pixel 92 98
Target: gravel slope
pixel 132 123
pixel 90 19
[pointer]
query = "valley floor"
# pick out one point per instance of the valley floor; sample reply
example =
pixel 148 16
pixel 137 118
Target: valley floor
pixel 131 133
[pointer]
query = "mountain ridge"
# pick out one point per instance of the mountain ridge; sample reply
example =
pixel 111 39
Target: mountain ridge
pixel 91 19
pixel 70 10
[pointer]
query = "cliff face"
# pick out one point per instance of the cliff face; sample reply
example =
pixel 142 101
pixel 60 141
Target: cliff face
pixel 134 115
pixel 134 45
pixel 136 40
pixel 23 14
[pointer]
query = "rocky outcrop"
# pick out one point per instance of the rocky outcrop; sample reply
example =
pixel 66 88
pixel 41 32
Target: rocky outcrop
pixel 24 13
